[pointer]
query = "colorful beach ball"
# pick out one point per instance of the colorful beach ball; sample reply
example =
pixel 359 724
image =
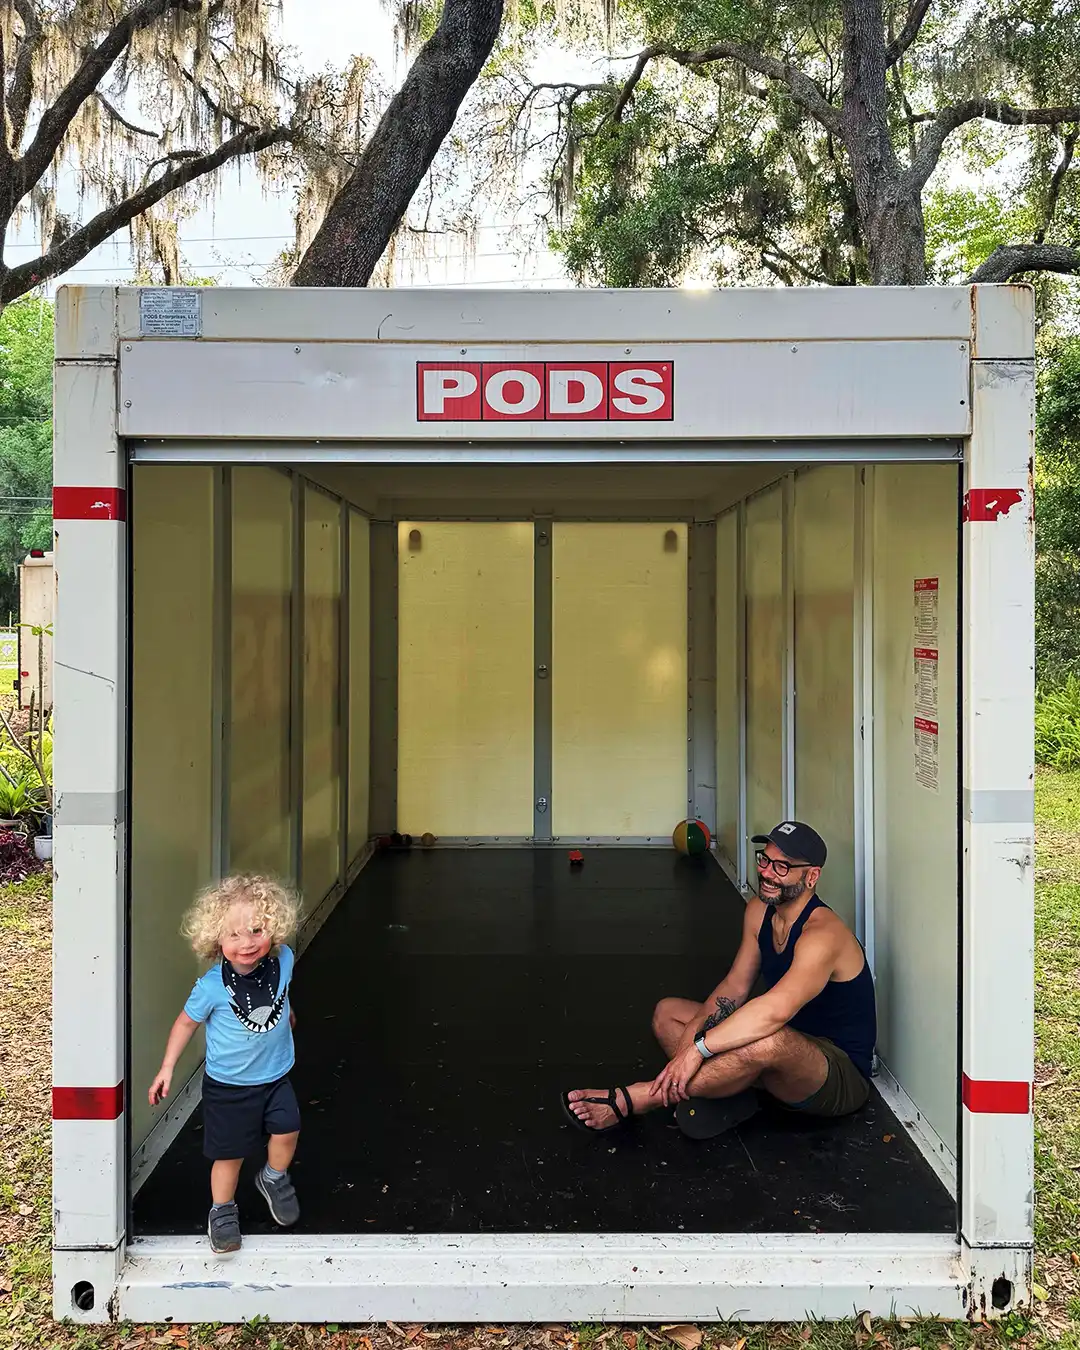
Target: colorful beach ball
pixel 691 836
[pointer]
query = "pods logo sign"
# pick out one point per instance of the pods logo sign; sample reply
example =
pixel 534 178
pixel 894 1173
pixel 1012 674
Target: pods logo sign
pixel 545 391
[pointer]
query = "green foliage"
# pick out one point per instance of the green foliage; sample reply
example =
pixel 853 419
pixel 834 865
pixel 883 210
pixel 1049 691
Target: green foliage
pixel 20 800
pixel 1057 513
pixel 963 228
pixel 712 169
pixel 26 349
pixel 694 181
pixel 1057 725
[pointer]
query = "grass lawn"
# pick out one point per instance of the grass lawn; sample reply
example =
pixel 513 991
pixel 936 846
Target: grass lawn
pixel 24 1178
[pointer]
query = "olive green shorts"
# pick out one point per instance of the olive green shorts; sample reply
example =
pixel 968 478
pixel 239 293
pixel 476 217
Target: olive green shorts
pixel 844 1090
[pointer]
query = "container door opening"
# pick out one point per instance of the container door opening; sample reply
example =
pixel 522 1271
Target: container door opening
pixel 384 675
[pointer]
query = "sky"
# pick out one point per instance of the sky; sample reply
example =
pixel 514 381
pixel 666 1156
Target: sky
pixel 244 229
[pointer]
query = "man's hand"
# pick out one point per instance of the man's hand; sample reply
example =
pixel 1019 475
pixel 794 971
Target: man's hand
pixel 672 1084
pixel 722 1008
pixel 159 1088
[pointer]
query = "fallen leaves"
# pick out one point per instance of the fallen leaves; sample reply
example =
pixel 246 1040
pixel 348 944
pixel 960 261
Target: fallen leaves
pixel 684 1334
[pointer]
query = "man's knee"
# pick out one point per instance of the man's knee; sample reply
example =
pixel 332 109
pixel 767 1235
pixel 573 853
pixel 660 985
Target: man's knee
pixel 661 1015
pixel 665 1013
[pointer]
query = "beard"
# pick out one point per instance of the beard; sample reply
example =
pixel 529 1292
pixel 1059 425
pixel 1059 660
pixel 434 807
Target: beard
pixel 784 894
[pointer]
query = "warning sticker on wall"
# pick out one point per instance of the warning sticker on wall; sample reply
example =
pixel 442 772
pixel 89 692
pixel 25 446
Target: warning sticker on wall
pixel 926 753
pixel 926 682
pixel 926 611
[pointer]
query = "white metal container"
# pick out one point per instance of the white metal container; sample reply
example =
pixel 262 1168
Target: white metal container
pixel 828 421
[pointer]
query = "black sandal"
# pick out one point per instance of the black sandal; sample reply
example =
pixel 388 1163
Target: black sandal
pixel 611 1101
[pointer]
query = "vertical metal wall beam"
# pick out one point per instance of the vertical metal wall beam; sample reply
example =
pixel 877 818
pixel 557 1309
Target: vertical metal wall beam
pixel 863 701
pixel 543 621
pixel 741 861
pixel 91 693
pixel 998 682
pixel 384 676
pixel 343 699
pixel 790 694
pixel 296 682
pixel 221 689
pixel 701 669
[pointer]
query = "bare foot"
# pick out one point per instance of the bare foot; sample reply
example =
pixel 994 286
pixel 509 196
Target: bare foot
pixel 596 1116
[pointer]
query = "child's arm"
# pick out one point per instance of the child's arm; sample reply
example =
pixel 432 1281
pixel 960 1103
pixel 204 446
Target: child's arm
pixel 182 1031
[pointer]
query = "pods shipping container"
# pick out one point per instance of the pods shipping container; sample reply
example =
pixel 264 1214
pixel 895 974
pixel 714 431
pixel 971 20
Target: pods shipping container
pixel 532 572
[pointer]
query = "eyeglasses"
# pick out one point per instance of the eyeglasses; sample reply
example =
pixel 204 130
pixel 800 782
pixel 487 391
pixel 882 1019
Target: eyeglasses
pixel 779 866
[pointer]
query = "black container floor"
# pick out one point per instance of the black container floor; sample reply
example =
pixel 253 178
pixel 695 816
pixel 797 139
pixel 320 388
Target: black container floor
pixel 453 994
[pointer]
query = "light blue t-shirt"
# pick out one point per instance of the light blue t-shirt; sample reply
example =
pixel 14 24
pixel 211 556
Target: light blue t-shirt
pixel 249 1046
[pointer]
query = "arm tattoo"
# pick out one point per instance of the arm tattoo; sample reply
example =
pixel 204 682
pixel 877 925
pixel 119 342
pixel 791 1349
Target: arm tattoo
pixel 724 1008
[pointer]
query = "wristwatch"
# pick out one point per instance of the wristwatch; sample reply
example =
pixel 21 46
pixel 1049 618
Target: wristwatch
pixel 702 1049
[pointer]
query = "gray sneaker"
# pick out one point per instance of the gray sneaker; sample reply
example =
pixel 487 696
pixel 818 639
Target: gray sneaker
pixel 224 1229
pixel 281 1197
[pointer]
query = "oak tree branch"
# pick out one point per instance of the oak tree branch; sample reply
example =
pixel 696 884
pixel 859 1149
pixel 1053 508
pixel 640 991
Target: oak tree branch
pixel 910 31
pixel 22 80
pixel 798 84
pixel 93 68
pixel 949 119
pixel 1056 183
pixel 1013 260
pixel 76 246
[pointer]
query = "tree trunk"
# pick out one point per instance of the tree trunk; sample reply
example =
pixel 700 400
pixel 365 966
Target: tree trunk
pixel 890 209
pixel 367 211
pixel 892 222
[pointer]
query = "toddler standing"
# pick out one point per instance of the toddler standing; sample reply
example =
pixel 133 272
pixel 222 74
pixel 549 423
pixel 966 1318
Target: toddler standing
pixel 242 925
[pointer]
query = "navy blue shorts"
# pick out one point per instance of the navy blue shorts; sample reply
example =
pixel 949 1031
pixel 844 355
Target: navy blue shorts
pixel 238 1120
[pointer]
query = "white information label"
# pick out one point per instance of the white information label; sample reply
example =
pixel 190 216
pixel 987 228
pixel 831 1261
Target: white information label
pixel 926 682
pixel 926 753
pixel 926 611
pixel 170 311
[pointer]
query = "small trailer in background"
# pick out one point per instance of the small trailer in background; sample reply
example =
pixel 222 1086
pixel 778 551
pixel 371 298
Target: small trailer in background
pixel 534 572
pixel 37 607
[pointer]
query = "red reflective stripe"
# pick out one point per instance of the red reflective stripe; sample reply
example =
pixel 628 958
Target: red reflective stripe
pixel 87 1103
pixel 989 504
pixel 89 503
pixel 1007 1099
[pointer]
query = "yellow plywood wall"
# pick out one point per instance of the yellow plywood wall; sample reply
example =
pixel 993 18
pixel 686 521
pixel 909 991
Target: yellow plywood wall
pixel 171 773
pixel 765 647
pixel 915 863
pixel 619 762
pixel 359 680
pixel 823 547
pixel 729 617
pixel 259 814
pixel 465 678
pixel 322 695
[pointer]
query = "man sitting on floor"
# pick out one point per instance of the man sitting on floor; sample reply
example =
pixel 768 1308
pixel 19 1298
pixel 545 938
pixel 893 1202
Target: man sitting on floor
pixel 807 1041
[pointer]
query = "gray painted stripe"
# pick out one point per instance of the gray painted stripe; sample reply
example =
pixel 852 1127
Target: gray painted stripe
pixel 91 808
pixel 1000 808
pixel 543 581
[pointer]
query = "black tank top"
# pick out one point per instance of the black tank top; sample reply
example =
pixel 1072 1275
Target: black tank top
pixel 844 1012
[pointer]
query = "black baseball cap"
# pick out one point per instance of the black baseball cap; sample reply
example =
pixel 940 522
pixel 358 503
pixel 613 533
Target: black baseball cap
pixel 796 840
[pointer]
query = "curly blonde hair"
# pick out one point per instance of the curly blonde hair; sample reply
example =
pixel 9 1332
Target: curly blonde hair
pixel 275 907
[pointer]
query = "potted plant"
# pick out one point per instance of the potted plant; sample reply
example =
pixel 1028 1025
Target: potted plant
pixel 26 794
